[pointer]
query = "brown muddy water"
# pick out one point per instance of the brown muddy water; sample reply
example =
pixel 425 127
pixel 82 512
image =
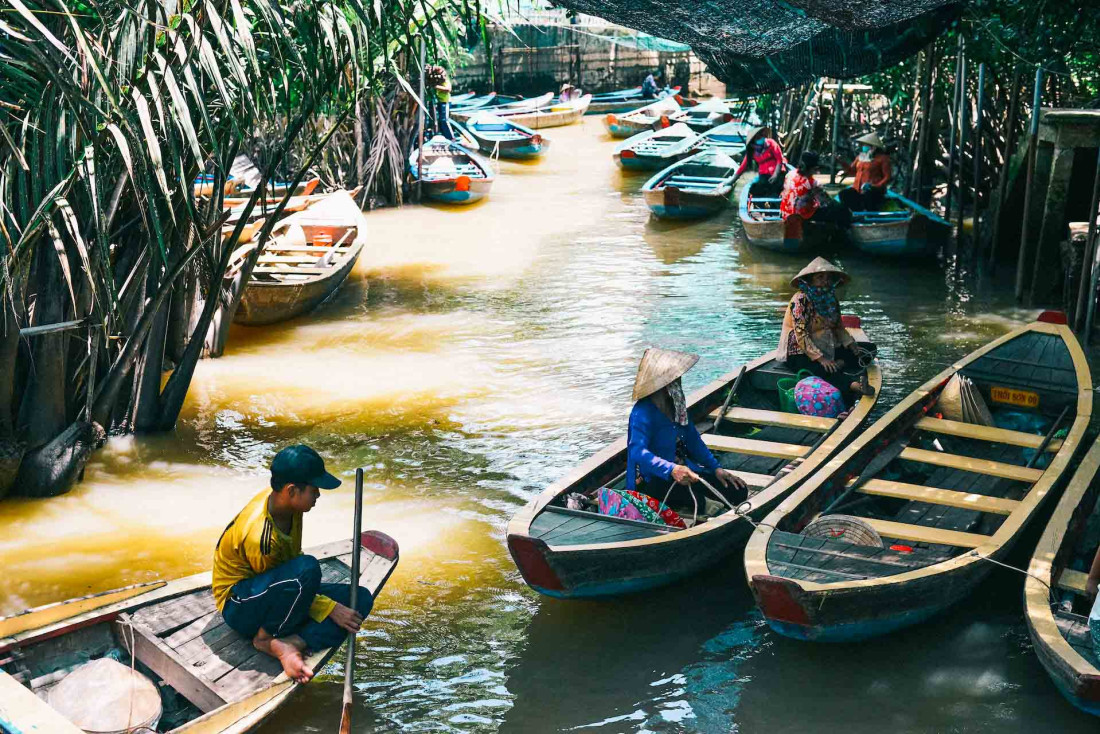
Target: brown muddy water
pixel 494 348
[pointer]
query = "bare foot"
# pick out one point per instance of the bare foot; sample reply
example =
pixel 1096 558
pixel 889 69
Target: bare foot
pixel 288 651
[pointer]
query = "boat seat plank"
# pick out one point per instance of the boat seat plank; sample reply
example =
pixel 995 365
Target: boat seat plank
pixel 923 534
pixel 754 447
pixel 162 660
pixel 984 433
pixel 971 464
pixel 932 495
pixel 753 479
pixel 1071 580
pixel 253 673
pixel 288 270
pixel 775 418
pixel 167 617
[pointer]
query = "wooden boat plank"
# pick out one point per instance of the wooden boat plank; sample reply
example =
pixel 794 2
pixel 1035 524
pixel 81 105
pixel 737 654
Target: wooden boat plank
pixel 143 642
pixel 547 522
pixel 166 617
pixel 776 418
pixel 275 269
pixel 923 534
pixel 971 464
pixel 753 479
pixel 211 642
pixel 604 535
pixel 254 673
pixel 1075 630
pixel 984 433
pixel 932 495
pixel 754 447
pixel 214 662
pixel 575 525
pixel 193 630
pixel 1075 581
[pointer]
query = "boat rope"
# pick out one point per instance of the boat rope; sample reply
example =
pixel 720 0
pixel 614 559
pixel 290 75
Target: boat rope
pixel 1050 592
pixel 129 624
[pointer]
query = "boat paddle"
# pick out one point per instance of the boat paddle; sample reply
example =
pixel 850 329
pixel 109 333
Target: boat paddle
pixel 1048 438
pixel 729 398
pixel 877 463
pixel 349 664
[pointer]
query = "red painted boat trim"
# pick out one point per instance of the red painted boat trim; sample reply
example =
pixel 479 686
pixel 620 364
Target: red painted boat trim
pixel 530 557
pixel 777 598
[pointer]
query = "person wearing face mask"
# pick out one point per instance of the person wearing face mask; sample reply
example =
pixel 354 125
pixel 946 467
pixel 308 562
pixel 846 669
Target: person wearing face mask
pixel 765 152
pixel 665 454
pixel 804 196
pixel 813 337
pixel 873 174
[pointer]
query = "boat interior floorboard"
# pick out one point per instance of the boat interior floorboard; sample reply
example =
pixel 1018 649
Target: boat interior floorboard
pixel 823 560
pixel 1075 629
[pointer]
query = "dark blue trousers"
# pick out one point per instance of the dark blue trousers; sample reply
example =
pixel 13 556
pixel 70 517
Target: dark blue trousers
pixel 443 120
pixel 279 600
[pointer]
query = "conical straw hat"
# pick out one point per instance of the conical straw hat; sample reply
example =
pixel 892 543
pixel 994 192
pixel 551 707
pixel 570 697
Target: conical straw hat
pixel 820 265
pixel 658 368
pixel 756 131
pixel 871 139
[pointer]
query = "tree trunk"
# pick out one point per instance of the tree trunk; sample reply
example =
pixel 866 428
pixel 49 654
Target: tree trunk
pixel 11 450
pixel 42 409
pixel 53 468
pixel 149 369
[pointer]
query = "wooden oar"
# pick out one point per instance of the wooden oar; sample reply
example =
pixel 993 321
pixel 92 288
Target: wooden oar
pixel 877 463
pixel 1048 438
pixel 349 664
pixel 726 405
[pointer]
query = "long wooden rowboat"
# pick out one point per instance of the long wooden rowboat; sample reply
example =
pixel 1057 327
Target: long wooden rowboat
pixel 211 678
pixel 903 228
pixel 451 173
pixel 576 554
pixel 473 103
pixel 628 93
pixel 603 105
pixel 650 117
pixel 1059 568
pixel 550 115
pixel 278 189
pixel 765 226
pixel 307 258
pixel 526 104
pixel 695 187
pixel 704 116
pixel 728 138
pixel 505 138
pixel 942 494
pixel 653 150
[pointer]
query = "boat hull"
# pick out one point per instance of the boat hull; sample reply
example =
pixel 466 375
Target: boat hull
pixel 452 191
pixel 921 234
pixel 673 203
pixel 270 303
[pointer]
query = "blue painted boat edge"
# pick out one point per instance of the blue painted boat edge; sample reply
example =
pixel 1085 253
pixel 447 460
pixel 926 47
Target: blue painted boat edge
pixel 1088 707
pixel 936 218
pixel 855 631
pixel 610 589
pixel 682 212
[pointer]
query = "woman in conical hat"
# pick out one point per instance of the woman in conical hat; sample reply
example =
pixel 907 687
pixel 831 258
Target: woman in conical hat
pixel 872 172
pixel 813 337
pixel 663 446
pixel 762 149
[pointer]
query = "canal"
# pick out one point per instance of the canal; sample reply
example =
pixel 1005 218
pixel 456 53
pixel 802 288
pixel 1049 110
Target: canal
pixel 474 356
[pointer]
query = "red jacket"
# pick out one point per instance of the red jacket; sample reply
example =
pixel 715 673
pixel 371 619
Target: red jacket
pixel 876 171
pixel 767 159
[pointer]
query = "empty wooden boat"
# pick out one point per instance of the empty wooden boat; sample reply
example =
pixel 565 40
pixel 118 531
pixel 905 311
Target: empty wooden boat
pixel 765 226
pixel 575 554
pixel 210 679
pixel 695 187
pixel 550 115
pixel 653 150
pixel 464 97
pixel 496 136
pixel 204 185
pixel 308 256
pixel 473 103
pixel 913 507
pixel 728 137
pixel 902 228
pixel 516 105
pixel 451 173
pixel 236 206
pixel 278 189
pixel 1056 602
pixel 650 117
pixel 602 105
pixel 704 116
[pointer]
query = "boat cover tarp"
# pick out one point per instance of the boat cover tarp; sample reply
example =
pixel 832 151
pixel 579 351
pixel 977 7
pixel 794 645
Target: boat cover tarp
pixel 758 46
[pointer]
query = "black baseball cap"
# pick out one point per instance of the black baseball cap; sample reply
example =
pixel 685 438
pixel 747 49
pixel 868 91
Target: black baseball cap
pixel 300 464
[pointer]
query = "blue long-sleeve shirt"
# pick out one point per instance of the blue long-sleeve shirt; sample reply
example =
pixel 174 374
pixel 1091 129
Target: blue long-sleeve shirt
pixel 651 445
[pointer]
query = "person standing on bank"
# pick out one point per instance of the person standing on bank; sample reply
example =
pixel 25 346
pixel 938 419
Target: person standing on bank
pixel 873 174
pixel 766 153
pixel 663 445
pixel 813 337
pixel 441 87
pixel 265 588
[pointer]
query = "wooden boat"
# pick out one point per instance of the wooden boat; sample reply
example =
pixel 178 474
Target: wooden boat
pixel 505 138
pixel 306 259
pixel 278 189
pixel 575 554
pixel 903 228
pixel 211 678
pixel 460 98
pixel 728 137
pixel 473 103
pixel 204 185
pixel 236 206
pixel 652 116
pixel 526 104
pixel 943 495
pixel 765 226
pixel 550 115
pixel 704 116
pixel 1056 603
pixel 695 187
pixel 451 173
pixel 628 93
pixel 653 150
pixel 602 105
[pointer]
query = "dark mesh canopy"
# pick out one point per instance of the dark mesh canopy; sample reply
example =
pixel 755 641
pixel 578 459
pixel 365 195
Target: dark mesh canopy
pixel 768 45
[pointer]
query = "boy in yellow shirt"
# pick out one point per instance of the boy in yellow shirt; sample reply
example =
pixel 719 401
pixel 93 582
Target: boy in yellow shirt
pixel 263 585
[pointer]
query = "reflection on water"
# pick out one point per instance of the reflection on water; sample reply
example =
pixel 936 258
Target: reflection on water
pixel 494 348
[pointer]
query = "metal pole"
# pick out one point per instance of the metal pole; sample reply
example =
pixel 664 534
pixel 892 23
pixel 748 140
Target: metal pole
pixel 1088 260
pixel 1010 143
pixel 1033 144
pixel 975 232
pixel 963 104
pixel 838 105
pixel 420 128
pixel 954 118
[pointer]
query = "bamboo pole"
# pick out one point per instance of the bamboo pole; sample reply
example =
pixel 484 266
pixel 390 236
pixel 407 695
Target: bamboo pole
pixel 1010 143
pixel 979 117
pixel 420 129
pixel 923 61
pixel 954 119
pixel 353 598
pixel 962 110
pixel 1032 152
pixel 838 105
pixel 1087 287
pixel 923 195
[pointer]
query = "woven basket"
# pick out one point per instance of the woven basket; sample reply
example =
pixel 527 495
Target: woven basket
pixel 846 528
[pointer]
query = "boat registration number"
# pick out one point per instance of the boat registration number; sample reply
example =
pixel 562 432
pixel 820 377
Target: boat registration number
pixel 1011 396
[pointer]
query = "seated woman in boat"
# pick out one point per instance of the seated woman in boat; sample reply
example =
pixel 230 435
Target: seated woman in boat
pixel 265 588
pixel 650 86
pixel 873 174
pixel 568 93
pixel 804 196
pixel 813 337
pixel 665 454
pixel 765 152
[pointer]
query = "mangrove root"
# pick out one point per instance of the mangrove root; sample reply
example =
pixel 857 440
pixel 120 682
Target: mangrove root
pixel 54 468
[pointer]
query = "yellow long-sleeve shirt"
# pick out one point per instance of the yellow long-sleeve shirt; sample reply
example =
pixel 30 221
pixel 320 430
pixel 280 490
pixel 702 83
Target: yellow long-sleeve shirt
pixel 252 544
